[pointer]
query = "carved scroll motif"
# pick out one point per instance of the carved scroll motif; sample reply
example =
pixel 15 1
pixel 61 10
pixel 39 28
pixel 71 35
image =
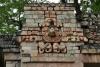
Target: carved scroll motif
pixel 51 48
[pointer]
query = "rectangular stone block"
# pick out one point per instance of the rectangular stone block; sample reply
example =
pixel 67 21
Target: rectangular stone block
pixel 56 8
pixel 38 8
pixel 38 17
pixel 69 8
pixel 75 48
pixel 28 20
pixel 28 16
pixel 34 53
pixel 92 50
pixel 62 8
pixel 61 16
pixel 33 29
pixel 11 56
pixel 33 8
pixel 84 51
pixel 59 12
pixel 24 33
pixel 69 48
pixel 32 24
pixel 26 59
pixel 28 12
pixel 50 8
pixel 44 8
pixel 47 15
pixel 38 38
pixel 27 8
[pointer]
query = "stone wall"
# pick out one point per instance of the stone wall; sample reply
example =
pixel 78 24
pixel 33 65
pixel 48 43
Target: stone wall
pixel 51 36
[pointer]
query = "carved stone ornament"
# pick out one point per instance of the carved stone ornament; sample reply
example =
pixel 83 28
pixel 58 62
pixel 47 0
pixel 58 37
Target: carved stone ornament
pixel 52 33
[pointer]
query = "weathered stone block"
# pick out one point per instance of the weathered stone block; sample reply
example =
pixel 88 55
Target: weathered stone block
pixel 56 8
pixel 33 8
pixel 44 8
pixel 29 16
pixel 26 59
pixel 50 8
pixel 27 8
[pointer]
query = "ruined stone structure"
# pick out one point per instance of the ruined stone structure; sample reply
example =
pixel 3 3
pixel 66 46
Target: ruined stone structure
pixel 52 37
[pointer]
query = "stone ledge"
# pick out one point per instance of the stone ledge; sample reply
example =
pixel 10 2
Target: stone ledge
pixel 90 51
pixel 51 59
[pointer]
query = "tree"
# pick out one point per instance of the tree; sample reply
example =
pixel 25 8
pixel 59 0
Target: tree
pixel 11 15
pixel 95 6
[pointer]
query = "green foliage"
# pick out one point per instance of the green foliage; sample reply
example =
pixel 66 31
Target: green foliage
pixel 11 15
pixel 10 12
pixel 95 6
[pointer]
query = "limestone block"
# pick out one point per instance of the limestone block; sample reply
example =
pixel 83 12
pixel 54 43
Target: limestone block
pixel 59 12
pixel 25 28
pixel 26 50
pixel 73 20
pixel 67 25
pixel 56 8
pixel 75 48
pixel 11 56
pixel 28 16
pixel 77 51
pixel 30 20
pixel 24 33
pixel 98 50
pixel 47 15
pixel 64 34
pixel 52 13
pixel 38 38
pixel 69 48
pixel 84 51
pixel 36 17
pixel 64 12
pixel 92 50
pixel 38 8
pixel 31 24
pixel 61 55
pixel 61 16
pixel 33 8
pixel 34 53
pixel 44 8
pixel 27 8
pixel 50 8
pixel 32 33
pixel 74 44
pixel 35 29
pixel 37 12
pixel 26 59
pixel 28 12
pixel 72 8
pixel 62 8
